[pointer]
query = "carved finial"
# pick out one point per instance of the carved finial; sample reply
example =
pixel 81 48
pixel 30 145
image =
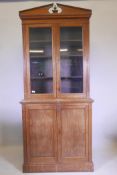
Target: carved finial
pixel 55 9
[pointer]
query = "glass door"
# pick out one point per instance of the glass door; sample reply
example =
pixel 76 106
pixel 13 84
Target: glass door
pixel 41 65
pixel 71 60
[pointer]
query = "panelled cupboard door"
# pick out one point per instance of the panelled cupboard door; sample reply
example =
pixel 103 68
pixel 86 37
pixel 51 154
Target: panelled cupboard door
pixel 41 133
pixel 73 133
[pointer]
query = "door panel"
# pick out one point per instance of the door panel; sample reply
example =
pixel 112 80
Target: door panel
pixel 41 139
pixel 41 69
pixel 72 67
pixel 71 60
pixel 74 130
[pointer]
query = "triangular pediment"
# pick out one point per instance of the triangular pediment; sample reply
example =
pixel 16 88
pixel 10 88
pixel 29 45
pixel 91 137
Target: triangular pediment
pixel 43 12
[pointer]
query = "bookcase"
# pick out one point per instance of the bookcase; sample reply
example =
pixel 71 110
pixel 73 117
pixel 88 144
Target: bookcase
pixel 57 108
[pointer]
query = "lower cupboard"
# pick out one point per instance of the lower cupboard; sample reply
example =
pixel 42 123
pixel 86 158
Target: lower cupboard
pixel 57 137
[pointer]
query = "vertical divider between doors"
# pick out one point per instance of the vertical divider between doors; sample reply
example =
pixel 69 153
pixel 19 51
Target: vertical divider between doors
pixel 57 57
pixel 54 58
pixel 59 134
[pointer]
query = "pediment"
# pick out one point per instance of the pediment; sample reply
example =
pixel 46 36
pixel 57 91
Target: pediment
pixel 43 12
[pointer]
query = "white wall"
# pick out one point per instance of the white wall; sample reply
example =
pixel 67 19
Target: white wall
pixel 103 66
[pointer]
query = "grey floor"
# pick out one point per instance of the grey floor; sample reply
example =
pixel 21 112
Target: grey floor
pixel 105 161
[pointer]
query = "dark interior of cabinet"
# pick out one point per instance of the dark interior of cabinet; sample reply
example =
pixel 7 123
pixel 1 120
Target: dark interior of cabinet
pixel 71 60
pixel 41 73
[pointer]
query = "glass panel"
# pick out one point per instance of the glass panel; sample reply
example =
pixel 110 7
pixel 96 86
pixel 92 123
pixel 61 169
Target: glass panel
pixel 41 73
pixel 71 62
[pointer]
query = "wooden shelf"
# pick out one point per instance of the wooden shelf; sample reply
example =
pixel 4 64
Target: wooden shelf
pixel 67 55
pixel 41 78
pixel 41 56
pixel 40 41
pixel 72 77
pixel 71 40
pixel 49 41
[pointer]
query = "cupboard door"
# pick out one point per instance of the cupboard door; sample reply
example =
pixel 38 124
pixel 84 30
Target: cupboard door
pixel 71 60
pixel 40 79
pixel 73 56
pixel 41 133
pixel 41 70
pixel 74 133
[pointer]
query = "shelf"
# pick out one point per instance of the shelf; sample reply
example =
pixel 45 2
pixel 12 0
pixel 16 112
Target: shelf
pixel 71 40
pixel 41 56
pixel 72 77
pixel 49 57
pixel 71 55
pixel 62 78
pixel 41 78
pixel 40 41
pixel 49 41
